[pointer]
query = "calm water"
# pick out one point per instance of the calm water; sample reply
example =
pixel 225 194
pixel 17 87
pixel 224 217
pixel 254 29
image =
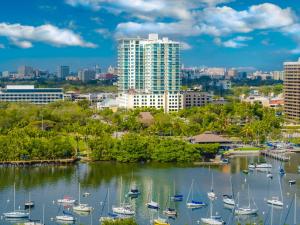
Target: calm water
pixel 49 183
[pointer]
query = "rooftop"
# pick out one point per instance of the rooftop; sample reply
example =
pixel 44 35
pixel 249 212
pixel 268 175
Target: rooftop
pixel 209 137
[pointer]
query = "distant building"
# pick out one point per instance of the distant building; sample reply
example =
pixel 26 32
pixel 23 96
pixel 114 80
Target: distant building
pixel 292 91
pixel 278 75
pixel 63 72
pixel 232 73
pixel 191 98
pixel 5 74
pixel 25 72
pixel 86 75
pixel 224 84
pixel 112 70
pixel 30 94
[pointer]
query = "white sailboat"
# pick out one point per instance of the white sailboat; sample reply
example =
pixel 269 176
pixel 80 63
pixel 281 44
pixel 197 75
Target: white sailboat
pixel 66 200
pixel 275 200
pixel 212 220
pixel 247 210
pixel 152 204
pixel 228 199
pixel 29 203
pixel 123 209
pixel 212 195
pixel 37 222
pixel 110 216
pixel 193 204
pixel 82 207
pixel 16 214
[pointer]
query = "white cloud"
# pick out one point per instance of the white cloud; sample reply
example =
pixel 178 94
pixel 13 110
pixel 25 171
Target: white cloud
pixel 237 42
pixel 2 46
pixel 216 21
pixel 294 32
pixel 23 36
pixel 185 46
pixel 148 9
pixel 105 33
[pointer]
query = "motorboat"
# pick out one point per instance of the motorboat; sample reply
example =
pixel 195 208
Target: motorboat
pixel 292 182
pixel 211 195
pixel 281 171
pixel 123 210
pixel 245 211
pixel 66 200
pixel 270 175
pixel 214 220
pixel 195 204
pixel 134 192
pixel 17 214
pixel 86 194
pixel 152 205
pixel 228 200
pixel 160 221
pixel 263 166
pixel 170 212
pixel 251 166
pixel 177 198
pixel 275 201
pixel 65 218
pixel 82 208
pixel 29 204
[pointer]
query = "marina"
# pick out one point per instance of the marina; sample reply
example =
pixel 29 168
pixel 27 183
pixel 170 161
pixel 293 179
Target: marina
pixel 175 194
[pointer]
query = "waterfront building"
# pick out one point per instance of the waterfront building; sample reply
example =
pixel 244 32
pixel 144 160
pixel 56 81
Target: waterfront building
pixel 292 91
pixel 30 94
pixel 5 74
pixel 63 72
pixel 149 73
pixel 86 75
pixel 278 75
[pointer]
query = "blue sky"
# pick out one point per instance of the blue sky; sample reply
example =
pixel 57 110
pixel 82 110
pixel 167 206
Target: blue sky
pixel 82 33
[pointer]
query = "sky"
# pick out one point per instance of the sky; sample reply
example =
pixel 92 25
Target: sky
pixel 254 34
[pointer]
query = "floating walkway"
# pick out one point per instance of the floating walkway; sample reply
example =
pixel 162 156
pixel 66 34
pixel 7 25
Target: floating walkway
pixel 275 154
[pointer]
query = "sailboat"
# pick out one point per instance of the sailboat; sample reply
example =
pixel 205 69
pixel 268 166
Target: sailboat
pixel 245 210
pixel 193 204
pixel 81 207
pixel 65 218
pixel 229 199
pixel 170 212
pixel 212 220
pixel 134 191
pixel 152 204
pixel 123 209
pixel 29 203
pixel 212 195
pixel 275 200
pixel 110 216
pixel 159 220
pixel 176 197
pixel 16 214
pixel 37 222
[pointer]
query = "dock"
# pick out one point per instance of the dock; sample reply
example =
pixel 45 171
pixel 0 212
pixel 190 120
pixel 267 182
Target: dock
pixel 38 162
pixel 276 154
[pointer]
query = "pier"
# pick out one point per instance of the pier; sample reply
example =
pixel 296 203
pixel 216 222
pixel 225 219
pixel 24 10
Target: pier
pixel 38 162
pixel 276 154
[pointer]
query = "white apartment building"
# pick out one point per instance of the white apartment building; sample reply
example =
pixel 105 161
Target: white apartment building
pixel 149 73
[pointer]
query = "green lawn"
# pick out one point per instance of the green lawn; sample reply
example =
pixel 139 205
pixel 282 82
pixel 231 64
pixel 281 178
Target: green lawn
pixel 248 148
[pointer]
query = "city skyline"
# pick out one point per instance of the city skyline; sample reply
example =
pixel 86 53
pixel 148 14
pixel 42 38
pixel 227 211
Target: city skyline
pixel 83 33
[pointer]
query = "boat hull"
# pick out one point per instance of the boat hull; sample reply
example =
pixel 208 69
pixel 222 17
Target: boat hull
pixel 16 215
pixel 211 221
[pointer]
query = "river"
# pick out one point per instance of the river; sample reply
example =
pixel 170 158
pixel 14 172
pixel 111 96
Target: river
pixel 46 184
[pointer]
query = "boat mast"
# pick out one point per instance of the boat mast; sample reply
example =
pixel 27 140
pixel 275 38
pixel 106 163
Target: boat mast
pixel 280 189
pixel 295 209
pixel 188 197
pixel 79 193
pixel 14 197
pixel 43 214
pixel 212 182
pixel 249 196
pixel 121 190
pixel 107 200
